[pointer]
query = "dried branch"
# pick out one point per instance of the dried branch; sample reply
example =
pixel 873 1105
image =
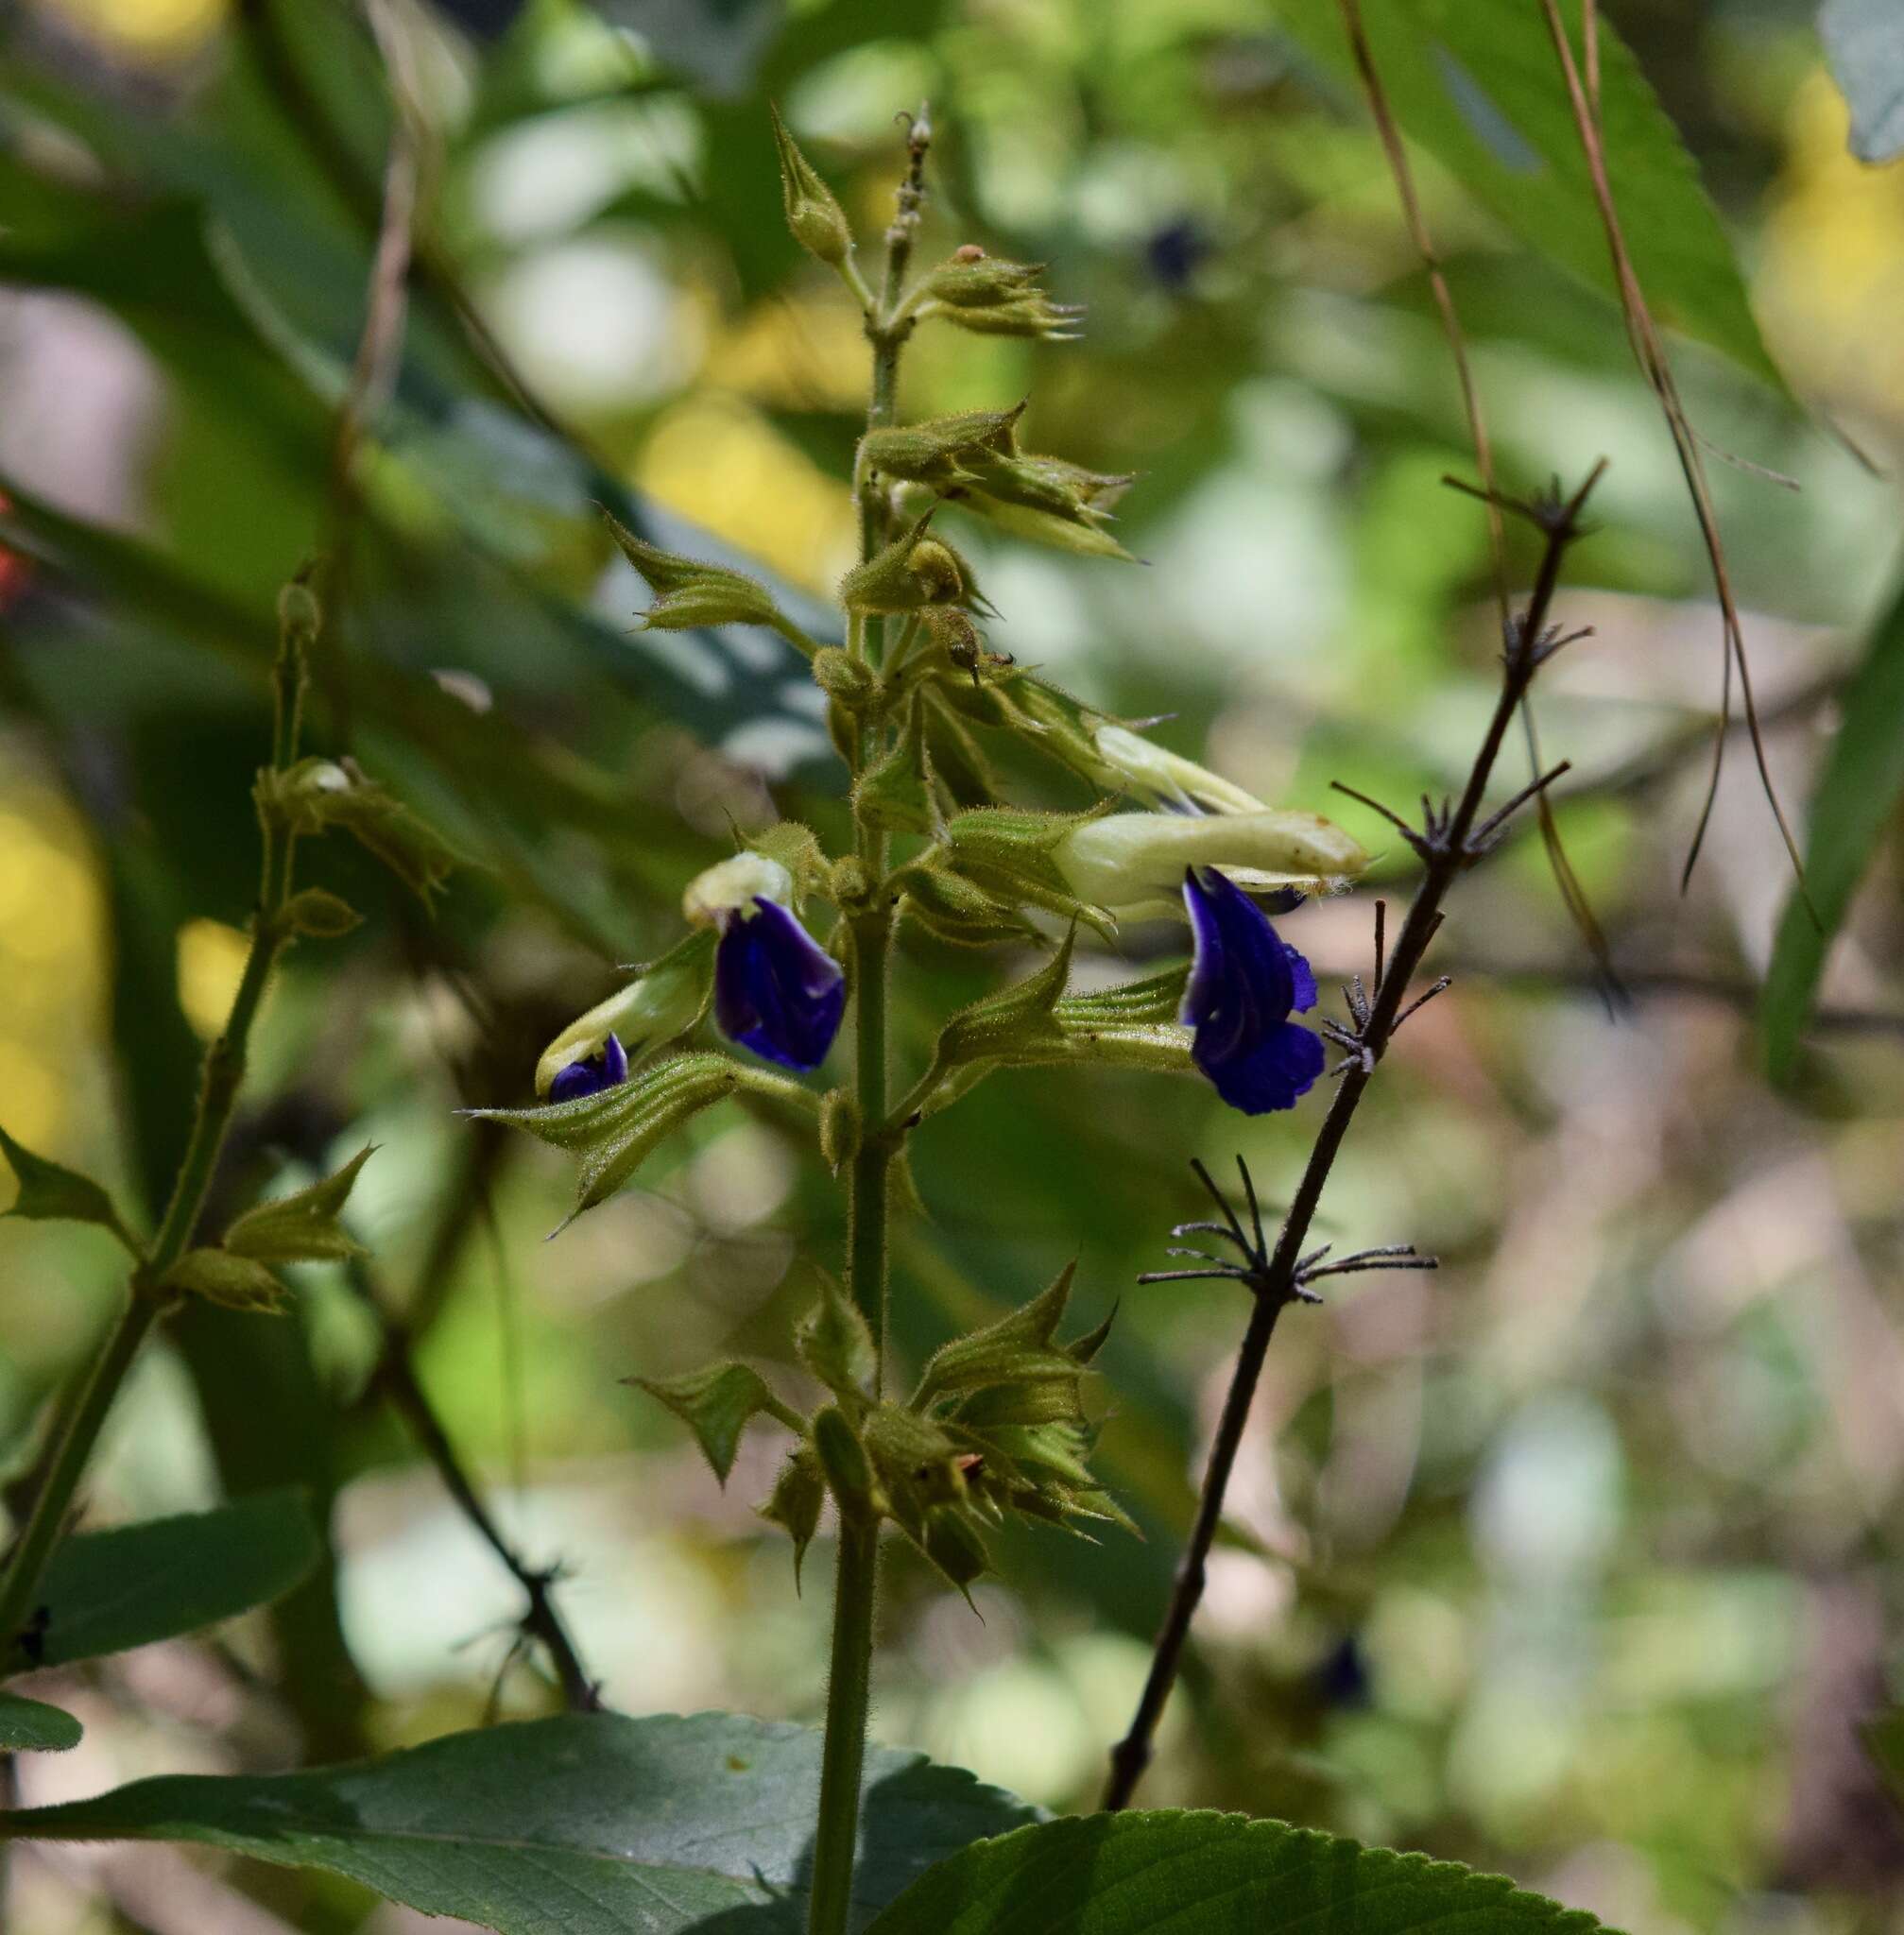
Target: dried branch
pixel 1277 1277
pixel 1650 355
pixel 1572 893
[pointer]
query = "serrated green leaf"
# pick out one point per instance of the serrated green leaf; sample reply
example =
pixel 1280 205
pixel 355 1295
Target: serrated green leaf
pixel 837 1345
pixel 107 1591
pixel 583 1824
pixel 304 1226
pixel 234 1283
pixel 613 1132
pixel 1858 793
pixel 1201 1874
pixel 51 1193
pixel 1478 84
pixel 31 1726
pixel 716 1405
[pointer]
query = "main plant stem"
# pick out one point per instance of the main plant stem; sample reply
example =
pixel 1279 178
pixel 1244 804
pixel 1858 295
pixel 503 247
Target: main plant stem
pixel 1446 857
pixel 868 1178
pixel 147 1296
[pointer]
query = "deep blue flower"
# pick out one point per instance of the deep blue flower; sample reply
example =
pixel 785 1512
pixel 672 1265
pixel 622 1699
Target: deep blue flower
pixel 592 1073
pixel 1243 983
pixel 777 990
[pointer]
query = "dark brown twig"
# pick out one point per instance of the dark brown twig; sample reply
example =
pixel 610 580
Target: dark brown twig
pixel 1447 851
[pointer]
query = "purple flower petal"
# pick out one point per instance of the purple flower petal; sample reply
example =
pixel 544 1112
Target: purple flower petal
pixel 594 1074
pixel 1243 983
pixel 777 990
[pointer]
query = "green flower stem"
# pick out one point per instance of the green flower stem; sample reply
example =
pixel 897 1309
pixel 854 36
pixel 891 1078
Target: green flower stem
pixel 856 1583
pixel 217 1096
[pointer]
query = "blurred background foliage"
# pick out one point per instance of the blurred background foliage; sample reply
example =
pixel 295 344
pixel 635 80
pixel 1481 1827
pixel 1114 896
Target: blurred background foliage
pixel 1578 1560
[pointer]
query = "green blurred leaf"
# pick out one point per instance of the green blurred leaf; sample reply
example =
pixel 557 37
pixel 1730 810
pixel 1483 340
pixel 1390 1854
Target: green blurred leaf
pixel 51 1193
pixel 1204 1873
pixel 1857 794
pixel 107 1591
pixel 1865 45
pixel 1478 84
pixel 587 1825
pixel 31 1726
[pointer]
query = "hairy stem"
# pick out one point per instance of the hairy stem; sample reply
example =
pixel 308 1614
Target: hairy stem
pixel 869 1180
pixel 1446 857
pixel 217 1096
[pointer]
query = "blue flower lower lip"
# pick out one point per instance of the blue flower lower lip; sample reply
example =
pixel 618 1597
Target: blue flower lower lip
pixel 592 1075
pixel 1243 983
pixel 777 990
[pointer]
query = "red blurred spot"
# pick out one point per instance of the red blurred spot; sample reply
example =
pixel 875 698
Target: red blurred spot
pixel 14 570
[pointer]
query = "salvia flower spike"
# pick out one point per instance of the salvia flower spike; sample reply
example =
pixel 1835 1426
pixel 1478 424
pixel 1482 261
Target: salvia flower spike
pixel 1243 983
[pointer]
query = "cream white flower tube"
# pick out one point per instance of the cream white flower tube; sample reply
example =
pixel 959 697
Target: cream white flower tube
pixel 1132 863
pixel 1165 778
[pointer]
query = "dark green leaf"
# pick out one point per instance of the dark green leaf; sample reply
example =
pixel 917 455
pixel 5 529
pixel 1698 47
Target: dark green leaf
pixel 587 1825
pixel 304 1226
pixel 1479 85
pixel 1864 43
pixel 1208 1874
pixel 107 1591
pixel 1856 795
pixel 51 1193
pixel 31 1726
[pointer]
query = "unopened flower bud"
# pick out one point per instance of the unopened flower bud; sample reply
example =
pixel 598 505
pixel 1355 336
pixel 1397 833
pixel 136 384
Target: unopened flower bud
pixel 299 615
pixel 815 217
pixel 1132 863
pixel 839 1129
pixel 842 677
pixel 851 884
pixel 1161 778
